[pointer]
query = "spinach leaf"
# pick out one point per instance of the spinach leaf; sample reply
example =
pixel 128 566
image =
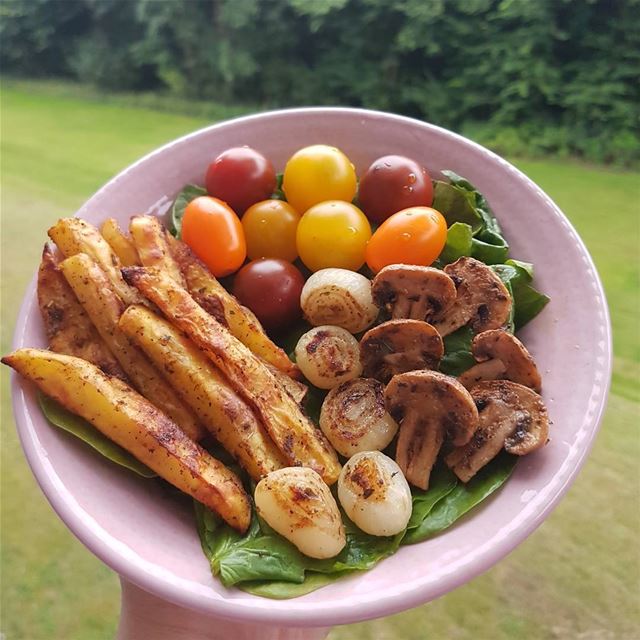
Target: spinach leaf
pixel 458 244
pixel 442 482
pixel 489 247
pixel 457 352
pixel 188 193
pixel 283 590
pixel 456 205
pixel 278 193
pixel 463 498
pixel 57 415
pixel 528 302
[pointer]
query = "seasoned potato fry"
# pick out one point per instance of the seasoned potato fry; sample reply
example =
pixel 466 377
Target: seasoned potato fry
pixel 297 390
pixel 149 237
pixel 73 235
pixel 68 327
pixel 135 424
pixel 293 433
pixel 104 307
pixel 217 301
pixel 205 390
pixel 120 243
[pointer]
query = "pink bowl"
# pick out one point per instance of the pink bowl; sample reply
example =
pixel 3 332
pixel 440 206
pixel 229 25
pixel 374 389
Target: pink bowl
pixel 135 528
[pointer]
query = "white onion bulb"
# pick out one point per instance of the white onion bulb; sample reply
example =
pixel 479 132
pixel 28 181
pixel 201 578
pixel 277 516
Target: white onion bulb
pixel 354 417
pixel 374 494
pixel 328 356
pixel 299 506
pixel 339 297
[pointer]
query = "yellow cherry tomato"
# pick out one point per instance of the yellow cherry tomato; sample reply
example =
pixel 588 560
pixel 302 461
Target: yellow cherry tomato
pixel 270 229
pixel 412 236
pixel 333 234
pixel 316 174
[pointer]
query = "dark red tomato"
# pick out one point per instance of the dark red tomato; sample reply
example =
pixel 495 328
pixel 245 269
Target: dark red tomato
pixel 271 288
pixel 240 176
pixel 394 183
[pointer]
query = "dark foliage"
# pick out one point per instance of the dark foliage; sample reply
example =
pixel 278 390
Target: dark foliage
pixel 543 76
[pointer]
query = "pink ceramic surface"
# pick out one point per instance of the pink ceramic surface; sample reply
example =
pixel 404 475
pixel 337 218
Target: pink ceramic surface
pixel 136 528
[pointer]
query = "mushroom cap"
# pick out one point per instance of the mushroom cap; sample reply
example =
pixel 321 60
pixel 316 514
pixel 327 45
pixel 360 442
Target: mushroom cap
pixel 411 291
pixel 497 344
pixel 397 346
pixel 510 416
pixel 482 300
pixel 429 407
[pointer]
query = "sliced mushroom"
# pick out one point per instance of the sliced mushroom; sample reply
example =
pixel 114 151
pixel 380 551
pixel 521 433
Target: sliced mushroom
pixel 410 291
pixel 482 300
pixel 511 416
pixel 501 356
pixel 397 346
pixel 429 407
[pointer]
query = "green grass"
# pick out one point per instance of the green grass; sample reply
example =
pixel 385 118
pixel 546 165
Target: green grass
pixel 577 576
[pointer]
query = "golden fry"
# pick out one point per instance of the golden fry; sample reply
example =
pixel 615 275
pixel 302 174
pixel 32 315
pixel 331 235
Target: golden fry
pixel 68 327
pixel 205 390
pixel 138 426
pixel 120 243
pixel 93 289
pixel 73 236
pixel 150 241
pixel 293 433
pixel 217 301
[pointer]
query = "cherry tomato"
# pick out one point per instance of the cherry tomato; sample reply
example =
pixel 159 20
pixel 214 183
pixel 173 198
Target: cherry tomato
pixel 413 236
pixel 393 183
pixel 271 289
pixel 333 234
pixel 270 228
pixel 316 174
pixel 214 232
pixel 240 176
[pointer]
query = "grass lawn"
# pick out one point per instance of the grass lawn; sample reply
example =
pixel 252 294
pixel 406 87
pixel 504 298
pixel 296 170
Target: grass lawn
pixel 576 577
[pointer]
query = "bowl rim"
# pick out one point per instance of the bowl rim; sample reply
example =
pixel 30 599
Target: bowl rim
pixel 256 609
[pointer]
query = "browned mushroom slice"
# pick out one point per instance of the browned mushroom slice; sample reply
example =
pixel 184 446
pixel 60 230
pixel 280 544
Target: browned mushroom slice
pixel 511 416
pixel 397 346
pixel 409 291
pixel 482 300
pixel 501 356
pixel 429 407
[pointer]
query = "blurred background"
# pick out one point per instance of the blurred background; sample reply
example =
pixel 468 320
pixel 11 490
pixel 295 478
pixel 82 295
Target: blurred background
pixel 88 86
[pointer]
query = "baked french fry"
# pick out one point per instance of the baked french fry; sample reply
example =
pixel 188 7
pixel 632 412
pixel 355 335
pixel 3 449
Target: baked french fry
pixel 217 301
pixel 138 426
pixel 73 235
pixel 296 389
pixel 204 389
pixel 149 238
pixel 94 292
pixel 69 329
pixel 120 243
pixel 292 431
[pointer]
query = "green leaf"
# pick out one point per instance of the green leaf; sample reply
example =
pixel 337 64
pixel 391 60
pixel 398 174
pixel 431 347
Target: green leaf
pixel 57 415
pixel 489 247
pixel 278 193
pixel 459 243
pixel 455 205
pixel 284 590
pixel 457 352
pixel 188 193
pixel 441 483
pixel 463 498
pixel 528 302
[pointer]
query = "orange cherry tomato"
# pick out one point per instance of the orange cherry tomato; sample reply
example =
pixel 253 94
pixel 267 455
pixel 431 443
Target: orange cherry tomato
pixel 215 234
pixel 412 236
pixel 270 229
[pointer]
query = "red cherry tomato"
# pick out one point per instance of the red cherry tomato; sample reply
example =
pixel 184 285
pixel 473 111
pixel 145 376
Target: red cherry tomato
pixel 240 176
pixel 414 236
pixel 271 288
pixel 393 183
pixel 215 233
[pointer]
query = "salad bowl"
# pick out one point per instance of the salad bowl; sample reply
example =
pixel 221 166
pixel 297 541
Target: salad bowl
pixel 139 530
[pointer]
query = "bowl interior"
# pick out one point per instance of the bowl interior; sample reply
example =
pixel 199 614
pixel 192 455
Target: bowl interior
pixel 139 530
